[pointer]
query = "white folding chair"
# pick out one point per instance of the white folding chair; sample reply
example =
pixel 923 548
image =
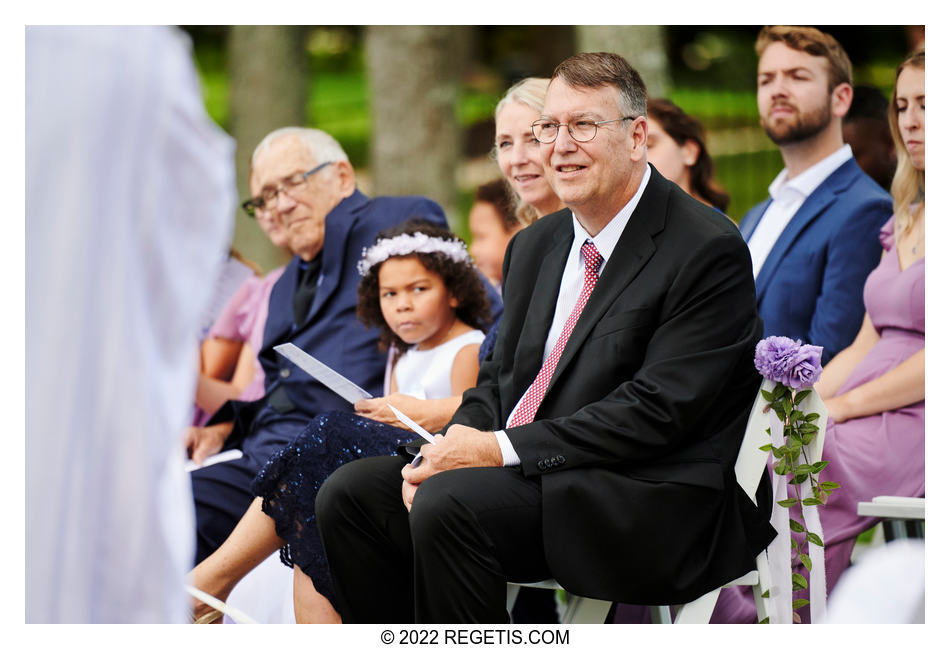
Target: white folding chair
pixel 750 464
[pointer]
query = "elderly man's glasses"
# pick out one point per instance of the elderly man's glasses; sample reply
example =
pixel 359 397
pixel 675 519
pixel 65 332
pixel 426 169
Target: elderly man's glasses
pixel 289 185
pixel 582 130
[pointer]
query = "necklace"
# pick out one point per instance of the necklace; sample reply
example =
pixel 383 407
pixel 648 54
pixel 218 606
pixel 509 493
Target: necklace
pixel 918 229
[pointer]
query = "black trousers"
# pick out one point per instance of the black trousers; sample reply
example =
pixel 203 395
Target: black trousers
pixel 470 531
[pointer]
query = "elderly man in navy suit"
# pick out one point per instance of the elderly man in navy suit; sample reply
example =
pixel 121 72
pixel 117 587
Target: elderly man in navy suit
pixel 814 241
pixel 305 177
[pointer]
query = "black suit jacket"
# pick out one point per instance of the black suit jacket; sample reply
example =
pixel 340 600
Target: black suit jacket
pixel 636 437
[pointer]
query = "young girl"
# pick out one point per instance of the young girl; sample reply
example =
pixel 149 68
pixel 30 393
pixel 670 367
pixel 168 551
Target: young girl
pixel 421 289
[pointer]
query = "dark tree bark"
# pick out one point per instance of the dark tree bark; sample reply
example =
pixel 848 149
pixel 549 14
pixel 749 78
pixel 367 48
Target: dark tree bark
pixel 414 76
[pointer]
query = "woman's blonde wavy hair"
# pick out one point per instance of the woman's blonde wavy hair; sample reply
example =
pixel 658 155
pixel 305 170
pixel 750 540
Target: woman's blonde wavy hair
pixel 908 184
pixel 530 92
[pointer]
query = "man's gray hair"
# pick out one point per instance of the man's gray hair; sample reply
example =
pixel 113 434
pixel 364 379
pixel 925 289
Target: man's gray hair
pixel 597 69
pixel 322 146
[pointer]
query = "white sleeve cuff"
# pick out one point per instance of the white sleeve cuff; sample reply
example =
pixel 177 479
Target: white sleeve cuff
pixel 507 450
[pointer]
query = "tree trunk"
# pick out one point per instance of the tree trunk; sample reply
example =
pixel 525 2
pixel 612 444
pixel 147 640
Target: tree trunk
pixel 644 46
pixel 268 90
pixel 414 79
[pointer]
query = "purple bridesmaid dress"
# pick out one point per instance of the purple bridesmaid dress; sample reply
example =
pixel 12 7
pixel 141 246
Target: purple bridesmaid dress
pixel 878 455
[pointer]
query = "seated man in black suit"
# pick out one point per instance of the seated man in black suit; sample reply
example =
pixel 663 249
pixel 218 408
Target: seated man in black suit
pixel 598 446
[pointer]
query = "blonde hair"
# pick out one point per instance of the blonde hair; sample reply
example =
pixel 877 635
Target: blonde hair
pixel 908 184
pixel 530 92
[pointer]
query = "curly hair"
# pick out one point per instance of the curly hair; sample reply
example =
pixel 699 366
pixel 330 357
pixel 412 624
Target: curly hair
pixel 460 279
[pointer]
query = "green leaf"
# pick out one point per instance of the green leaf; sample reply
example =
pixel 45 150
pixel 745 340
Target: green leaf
pixel 798 603
pixel 808 428
pixel 814 538
pixel 764 620
pixel 766 448
pixel 795 525
pixel 806 560
pixel 765 595
pixel 799 479
pixel 828 486
pixel 794 416
pixel 782 467
pixel 767 396
pixel 803 469
pixel 812 416
pixel 811 501
pixel 799 581
pixel 788 502
pixel 818 466
pixel 801 396
pixel 779 391
pixel 807 437
pixel 794 544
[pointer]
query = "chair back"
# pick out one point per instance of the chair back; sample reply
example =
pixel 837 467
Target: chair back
pixel 751 460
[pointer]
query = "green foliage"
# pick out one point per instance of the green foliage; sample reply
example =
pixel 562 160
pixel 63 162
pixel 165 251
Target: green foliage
pixel 798 582
pixel 799 430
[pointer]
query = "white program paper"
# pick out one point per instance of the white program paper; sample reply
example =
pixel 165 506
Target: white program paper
pixel 327 376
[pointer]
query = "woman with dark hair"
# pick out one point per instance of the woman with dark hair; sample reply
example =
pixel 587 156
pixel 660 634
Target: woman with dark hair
pixel 493 222
pixel 677 148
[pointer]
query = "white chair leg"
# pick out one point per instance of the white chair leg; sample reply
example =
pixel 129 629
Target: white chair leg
pixel 762 585
pixel 513 590
pixel 581 610
pixel 660 615
pixel 698 611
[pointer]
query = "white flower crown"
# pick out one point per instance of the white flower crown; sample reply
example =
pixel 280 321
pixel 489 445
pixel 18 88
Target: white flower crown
pixel 408 244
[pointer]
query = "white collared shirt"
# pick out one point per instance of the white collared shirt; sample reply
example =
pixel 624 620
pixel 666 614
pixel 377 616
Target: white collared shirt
pixel 572 282
pixel 787 197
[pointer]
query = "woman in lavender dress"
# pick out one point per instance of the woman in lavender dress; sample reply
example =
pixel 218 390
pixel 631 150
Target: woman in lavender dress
pixel 874 389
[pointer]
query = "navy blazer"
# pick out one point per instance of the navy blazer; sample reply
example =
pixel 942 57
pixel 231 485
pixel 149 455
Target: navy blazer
pixel 811 285
pixel 331 331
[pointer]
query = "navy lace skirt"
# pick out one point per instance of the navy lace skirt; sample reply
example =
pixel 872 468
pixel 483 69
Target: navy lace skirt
pixel 289 482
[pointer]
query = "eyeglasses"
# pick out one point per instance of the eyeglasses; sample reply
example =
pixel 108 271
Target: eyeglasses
pixel 289 185
pixel 582 130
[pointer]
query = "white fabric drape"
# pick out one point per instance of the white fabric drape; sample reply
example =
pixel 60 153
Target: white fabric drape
pixel 779 603
pixel 129 208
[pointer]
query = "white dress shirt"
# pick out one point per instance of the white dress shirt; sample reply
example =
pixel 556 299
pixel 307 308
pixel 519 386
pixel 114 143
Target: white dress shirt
pixel 572 283
pixel 787 197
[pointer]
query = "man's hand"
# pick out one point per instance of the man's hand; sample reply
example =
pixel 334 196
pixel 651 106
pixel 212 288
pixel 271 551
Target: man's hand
pixel 202 441
pixel 408 493
pixel 461 447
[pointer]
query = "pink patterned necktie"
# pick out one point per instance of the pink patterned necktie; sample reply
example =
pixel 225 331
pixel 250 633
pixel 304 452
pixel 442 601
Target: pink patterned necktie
pixel 529 405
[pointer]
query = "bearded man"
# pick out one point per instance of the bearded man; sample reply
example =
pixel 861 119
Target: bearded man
pixel 815 239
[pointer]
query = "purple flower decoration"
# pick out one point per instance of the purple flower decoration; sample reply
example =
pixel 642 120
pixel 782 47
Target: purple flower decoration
pixel 773 357
pixel 788 361
pixel 805 367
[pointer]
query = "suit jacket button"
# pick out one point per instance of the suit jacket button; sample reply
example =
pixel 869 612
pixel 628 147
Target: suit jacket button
pixel 284 373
